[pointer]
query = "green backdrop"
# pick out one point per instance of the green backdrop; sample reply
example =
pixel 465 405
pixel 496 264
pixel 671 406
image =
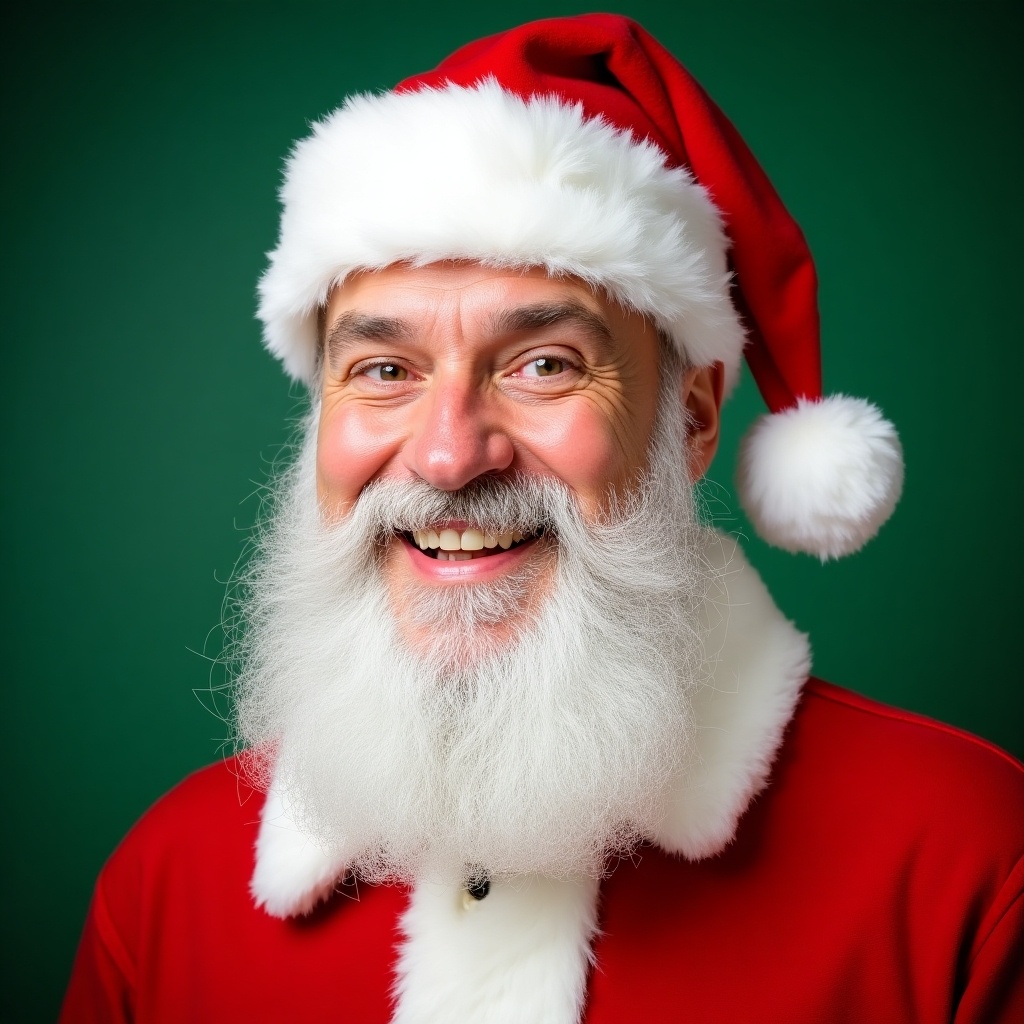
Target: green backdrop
pixel 143 145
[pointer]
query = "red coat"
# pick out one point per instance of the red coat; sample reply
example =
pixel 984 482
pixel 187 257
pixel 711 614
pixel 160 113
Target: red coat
pixel 879 877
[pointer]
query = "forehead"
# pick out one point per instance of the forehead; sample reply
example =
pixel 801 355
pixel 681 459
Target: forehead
pixel 475 297
pixel 466 287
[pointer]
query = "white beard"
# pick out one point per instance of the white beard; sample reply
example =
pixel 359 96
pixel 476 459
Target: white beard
pixel 548 755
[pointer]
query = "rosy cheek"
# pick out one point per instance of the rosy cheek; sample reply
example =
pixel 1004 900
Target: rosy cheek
pixel 353 446
pixel 578 446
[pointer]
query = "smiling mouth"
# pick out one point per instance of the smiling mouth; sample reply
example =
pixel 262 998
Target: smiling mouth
pixel 451 545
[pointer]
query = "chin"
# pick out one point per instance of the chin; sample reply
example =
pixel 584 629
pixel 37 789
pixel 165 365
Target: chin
pixel 460 614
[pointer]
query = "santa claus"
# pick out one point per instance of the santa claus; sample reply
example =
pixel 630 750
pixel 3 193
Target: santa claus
pixel 504 698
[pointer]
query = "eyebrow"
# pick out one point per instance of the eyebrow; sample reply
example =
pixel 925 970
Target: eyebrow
pixel 542 315
pixel 353 326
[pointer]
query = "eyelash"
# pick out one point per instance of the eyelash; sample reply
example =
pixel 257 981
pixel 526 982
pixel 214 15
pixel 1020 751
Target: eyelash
pixel 570 365
pixel 365 369
pixel 565 365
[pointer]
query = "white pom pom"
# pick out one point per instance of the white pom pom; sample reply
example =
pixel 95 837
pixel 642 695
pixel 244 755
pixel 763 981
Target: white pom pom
pixel 821 477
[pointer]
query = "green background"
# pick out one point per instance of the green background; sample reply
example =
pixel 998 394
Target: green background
pixel 142 148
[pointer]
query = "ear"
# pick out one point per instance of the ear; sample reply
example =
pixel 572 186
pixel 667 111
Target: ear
pixel 703 387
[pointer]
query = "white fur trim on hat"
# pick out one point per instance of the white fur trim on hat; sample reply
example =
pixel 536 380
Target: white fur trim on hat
pixel 821 477
pixel 481 174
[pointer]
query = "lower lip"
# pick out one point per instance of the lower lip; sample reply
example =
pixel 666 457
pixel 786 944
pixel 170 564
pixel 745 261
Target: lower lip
pixel 470 570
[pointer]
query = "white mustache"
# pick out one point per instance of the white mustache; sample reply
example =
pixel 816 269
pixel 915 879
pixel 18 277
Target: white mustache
pixel 495 504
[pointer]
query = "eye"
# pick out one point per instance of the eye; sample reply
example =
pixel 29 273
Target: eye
pixel 545 366
pixel 387 372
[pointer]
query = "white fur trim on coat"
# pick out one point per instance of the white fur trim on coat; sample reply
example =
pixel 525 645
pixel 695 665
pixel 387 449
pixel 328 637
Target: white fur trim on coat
pixel 760 663
pixel 480 174
pixel 822 477
pixel 293 872
pixel 520 954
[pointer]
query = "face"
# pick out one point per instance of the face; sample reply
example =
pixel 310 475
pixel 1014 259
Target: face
pixel 452 372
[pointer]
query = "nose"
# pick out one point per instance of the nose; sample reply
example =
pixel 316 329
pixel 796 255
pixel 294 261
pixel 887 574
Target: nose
pixel 457 437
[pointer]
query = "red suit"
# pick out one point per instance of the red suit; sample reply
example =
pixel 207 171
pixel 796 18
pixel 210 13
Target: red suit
pixel 877 878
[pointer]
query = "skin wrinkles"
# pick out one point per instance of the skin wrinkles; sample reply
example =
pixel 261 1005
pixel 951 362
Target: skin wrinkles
pixel 464 340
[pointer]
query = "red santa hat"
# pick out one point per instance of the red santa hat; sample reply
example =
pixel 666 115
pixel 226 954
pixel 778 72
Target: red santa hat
pixel 582 146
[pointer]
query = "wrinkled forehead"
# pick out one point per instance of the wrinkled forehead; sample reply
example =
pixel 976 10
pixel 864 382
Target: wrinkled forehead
pixel 476 286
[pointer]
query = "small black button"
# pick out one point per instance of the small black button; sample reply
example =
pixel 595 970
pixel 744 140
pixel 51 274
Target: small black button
pixel 478 886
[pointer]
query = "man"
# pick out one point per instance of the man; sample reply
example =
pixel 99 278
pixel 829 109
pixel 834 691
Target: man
pixel 507 703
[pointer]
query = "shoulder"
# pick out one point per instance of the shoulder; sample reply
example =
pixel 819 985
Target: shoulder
pixel 905 779
pixel 195 841
pixel 207 806
pixel 878 738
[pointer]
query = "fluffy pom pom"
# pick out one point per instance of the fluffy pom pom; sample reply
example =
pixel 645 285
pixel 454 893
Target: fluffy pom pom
pixel 821 477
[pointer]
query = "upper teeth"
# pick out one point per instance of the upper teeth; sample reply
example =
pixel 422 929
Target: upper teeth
pixel 464 540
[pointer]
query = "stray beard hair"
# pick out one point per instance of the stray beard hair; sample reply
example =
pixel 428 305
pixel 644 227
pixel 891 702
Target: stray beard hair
pixel 550 753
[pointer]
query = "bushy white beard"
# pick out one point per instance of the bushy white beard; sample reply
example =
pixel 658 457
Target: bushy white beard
pixel 549 754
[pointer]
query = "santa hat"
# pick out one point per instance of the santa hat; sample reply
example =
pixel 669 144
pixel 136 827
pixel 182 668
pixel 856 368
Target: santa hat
pixel 582 146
